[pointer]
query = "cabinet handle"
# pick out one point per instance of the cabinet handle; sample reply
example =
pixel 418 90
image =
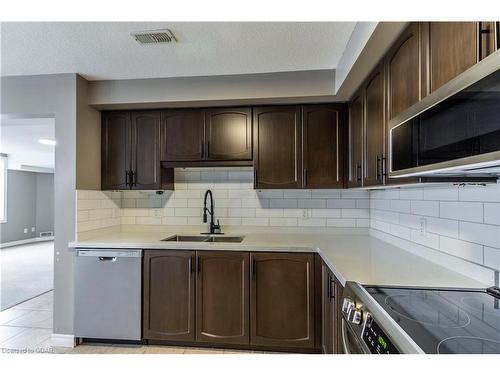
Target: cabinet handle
pixel 305 177
pixel 332 284
pixel 254 267
pixel 255 182
pixel 358 172
pixel 191 265
pixel 481 33
pixel 208 148
pixel 126 178
pixel 199 264
pixel 378 167
pixel 132 178
pixel 383 164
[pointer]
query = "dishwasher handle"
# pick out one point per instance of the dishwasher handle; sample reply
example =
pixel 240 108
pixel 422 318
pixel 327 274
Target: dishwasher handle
pixel 109 255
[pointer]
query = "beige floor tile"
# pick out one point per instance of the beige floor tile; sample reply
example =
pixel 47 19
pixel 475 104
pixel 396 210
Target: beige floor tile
pixel 164 350
pixel 33 319
pixel 203 351
pixel 29 338
pixel 126 349
pixel 91 349
pixel 7 333
pixel 11 314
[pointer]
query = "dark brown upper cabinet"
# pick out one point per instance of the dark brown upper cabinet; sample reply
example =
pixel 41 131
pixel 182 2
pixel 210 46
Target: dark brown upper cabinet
pixel 182 135
pixel 228 133
pixel 130 152
pixel 282 300
pixel 374 128
pixel 277 147
pixel 355 141
pixel 222 297
pixel 146 166
pixel 322 146
pixel 403 70
pixel 450 48
pixel 115 150
pixel 169 295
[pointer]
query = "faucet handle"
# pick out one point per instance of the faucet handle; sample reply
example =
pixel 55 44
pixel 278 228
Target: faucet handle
pixel 216 227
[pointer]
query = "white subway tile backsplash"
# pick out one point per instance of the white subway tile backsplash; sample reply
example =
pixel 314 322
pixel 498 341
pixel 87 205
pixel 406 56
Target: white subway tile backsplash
pixel 442 227
pixel 316 212
pixel 467 211
pixel 492 213
pixel 429 239
pixel 297 194
pixel 255 221
pixel 340 203
pixel 283 222
pixel 462 249
pixel 400 206
pixel 441 193
pixel 341 223
pixel 488 193
pixel 425 208
pixel 283 203
pixel 411 194
pixel 311 203
pixel 492 257
pixel 484 234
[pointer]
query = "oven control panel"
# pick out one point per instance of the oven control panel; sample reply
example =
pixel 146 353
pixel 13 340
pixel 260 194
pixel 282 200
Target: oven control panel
pixel 376 340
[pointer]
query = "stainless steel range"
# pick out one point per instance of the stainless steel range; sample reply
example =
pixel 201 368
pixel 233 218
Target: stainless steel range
pixel 393 320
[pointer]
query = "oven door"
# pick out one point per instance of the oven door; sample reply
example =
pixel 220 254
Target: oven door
pixel 350 343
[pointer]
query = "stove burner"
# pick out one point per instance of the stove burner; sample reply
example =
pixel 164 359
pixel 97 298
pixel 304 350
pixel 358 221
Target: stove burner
pixel 468 345
pixel 428 307
pixel 482 306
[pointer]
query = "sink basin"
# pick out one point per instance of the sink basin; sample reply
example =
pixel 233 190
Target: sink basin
pixel 236 239
pixel 180 238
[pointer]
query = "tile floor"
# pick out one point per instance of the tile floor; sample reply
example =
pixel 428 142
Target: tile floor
pixel 27 327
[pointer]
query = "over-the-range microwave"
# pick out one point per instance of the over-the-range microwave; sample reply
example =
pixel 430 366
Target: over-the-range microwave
pixel 454 131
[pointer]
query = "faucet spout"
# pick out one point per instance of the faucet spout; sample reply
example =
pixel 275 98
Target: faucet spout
pixel 214 228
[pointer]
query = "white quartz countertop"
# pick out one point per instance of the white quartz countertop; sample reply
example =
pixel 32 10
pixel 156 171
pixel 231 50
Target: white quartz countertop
pixel 353 257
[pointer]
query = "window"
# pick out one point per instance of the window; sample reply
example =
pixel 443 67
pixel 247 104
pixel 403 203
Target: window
pixel 3 188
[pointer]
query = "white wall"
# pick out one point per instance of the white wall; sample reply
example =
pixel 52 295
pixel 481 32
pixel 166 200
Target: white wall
pixel 461 221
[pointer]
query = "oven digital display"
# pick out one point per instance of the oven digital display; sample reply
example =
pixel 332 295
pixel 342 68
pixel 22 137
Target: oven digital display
pixel 376 340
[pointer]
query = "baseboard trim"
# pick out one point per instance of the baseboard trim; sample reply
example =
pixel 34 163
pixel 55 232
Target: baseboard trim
pixel 26 241
pixel 64 341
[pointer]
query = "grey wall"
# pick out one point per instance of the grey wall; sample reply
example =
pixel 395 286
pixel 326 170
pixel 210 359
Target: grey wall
pixel 21 206
pixel 30 203
pixel 54 95
pixel 44 202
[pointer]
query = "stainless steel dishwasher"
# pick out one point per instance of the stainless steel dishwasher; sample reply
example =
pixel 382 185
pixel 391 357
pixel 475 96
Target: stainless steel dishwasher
pixel 108 294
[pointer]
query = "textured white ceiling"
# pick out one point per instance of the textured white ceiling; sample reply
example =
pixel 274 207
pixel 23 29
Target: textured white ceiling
pixel 19 140
pixel 105 50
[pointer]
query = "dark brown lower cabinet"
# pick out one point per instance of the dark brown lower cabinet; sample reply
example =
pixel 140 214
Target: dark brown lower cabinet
pixel 169 295
pixel 328 318
pixel 282 300
pixel 222 311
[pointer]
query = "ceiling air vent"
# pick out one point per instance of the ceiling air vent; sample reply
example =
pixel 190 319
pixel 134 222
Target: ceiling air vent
pixel 154 36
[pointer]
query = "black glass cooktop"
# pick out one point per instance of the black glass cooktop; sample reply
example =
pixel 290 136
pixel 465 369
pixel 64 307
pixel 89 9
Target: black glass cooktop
pixel 444 321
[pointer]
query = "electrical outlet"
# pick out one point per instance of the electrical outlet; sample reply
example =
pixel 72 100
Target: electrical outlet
pixel 157 213
pixel 423 226
pixel 305 214
pixel 32 229
pixel 25 230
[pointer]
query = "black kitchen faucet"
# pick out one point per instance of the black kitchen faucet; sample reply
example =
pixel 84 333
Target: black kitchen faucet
pixel 214 228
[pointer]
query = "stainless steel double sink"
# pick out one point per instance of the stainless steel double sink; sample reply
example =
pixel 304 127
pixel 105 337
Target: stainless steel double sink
pixel 204 238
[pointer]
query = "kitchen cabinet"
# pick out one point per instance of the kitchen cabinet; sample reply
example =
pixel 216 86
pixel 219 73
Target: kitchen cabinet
pixel 355 141
pixel 115 150
pixel 182 135
pixel 222 297
pixel 130 152
pixel 450 48
pixel 488 38
pixel 282 300
pixel 228 133
pixel 277 147
pixel 322 146
pixel 403 68
pixel 374 129
pixel 169 295
pixel 329 334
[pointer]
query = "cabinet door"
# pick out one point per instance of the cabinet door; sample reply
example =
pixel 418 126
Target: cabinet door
pixel 115 150
pixel 222 297
pixel 374 129
pixel 488 38
pixel 322 146
pixel 328 342
pixel 282 300
pixel 452 48
pixel 229 133
pixel 277 147
pixel 169 295
pixel 182 135
pixel 403 71
pixel 146 150
pixel 355 178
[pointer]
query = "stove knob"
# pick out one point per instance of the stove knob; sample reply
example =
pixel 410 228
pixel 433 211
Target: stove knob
pixel 355 316
pixel 347 305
